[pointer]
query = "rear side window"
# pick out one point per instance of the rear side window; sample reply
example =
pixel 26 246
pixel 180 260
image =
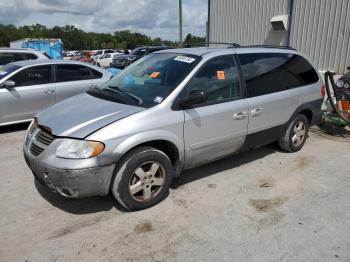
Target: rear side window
pixel 6 58
pixel 36 75
pixel 67 73
pixel 28 56
pixel 267 73
pixel 96 74
pixel 218 78
pixel 10 57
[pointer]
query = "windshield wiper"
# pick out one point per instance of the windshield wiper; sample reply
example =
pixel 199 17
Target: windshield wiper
pixel 117 89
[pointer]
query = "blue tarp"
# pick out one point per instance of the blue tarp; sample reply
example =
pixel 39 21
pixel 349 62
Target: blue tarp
pixel 54 50
pixel 114 71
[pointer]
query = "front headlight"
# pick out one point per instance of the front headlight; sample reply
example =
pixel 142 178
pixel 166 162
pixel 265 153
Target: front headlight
pixel 30 131
pixel 79 149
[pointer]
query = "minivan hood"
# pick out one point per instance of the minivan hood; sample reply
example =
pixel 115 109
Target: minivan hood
pixel 83 114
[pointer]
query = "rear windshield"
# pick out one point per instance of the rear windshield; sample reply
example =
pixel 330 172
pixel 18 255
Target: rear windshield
pixel 7 69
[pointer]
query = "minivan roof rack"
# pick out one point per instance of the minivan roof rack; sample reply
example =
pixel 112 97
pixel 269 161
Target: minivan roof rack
pixel 230 45
pixel 269 46
pixel 234 45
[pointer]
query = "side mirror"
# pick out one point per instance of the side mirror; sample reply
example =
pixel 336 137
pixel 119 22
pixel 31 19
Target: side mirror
pixel 9 84
pixel 196 97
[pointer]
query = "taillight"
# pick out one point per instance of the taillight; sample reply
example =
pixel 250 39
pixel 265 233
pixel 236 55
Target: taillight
pixel 323 90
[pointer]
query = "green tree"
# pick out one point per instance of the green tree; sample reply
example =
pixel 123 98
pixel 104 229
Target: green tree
pixel 76 39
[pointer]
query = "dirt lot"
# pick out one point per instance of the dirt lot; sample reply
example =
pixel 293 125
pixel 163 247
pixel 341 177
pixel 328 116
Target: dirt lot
pixel 263 205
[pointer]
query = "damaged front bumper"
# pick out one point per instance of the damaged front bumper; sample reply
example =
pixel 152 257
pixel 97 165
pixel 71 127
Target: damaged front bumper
pixel 74 179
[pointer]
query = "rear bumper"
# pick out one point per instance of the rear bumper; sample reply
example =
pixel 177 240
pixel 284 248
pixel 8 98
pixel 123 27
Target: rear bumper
pixel 119 64
pixel 73 183
pixel 317 117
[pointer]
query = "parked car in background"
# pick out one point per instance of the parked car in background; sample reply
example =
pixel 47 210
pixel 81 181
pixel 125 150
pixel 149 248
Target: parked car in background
pixel 99 53
pixel 69 55
pixel 106 59
pixel 9 55
pixel 26 87
pixel 86 59
pixel 170 111
pixel 123 61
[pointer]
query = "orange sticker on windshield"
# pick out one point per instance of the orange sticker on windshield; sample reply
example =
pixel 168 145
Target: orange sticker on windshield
pixel 154 75
pixel 221 75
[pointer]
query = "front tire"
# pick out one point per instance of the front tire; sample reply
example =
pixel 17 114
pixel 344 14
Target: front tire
pixel 295 136
pixel 142 179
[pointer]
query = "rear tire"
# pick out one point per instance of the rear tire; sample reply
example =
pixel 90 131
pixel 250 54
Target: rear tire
pixel 142 179
pixel 295 136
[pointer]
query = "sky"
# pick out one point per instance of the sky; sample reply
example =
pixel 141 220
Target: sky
pixel 156 18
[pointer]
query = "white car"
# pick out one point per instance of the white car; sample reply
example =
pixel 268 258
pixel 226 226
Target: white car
pixel 106 59
pixel 100 53
pixel 10 55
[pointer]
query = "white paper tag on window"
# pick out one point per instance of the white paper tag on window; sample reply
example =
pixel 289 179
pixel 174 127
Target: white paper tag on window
pixel 184 59
pixel 158 99
pixel 3 73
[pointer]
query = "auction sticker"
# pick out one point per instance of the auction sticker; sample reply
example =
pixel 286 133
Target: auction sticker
pixel 154 75
pixel 220 75
pixel 3 73
pixel 184 59
pixel 158 99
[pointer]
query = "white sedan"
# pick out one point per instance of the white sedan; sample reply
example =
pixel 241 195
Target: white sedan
pixel 106 59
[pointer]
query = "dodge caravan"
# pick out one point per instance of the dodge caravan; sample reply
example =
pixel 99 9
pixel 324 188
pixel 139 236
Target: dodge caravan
pixel 170 111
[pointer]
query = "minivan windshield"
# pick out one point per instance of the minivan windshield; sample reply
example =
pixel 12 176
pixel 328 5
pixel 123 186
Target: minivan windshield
pixel 7 69
pixel 148 81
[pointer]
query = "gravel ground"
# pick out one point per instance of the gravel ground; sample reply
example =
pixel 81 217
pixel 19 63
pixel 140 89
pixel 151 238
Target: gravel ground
pixel 262 205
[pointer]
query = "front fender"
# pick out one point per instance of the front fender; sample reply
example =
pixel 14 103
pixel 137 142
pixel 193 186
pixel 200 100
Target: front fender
pixel 149 136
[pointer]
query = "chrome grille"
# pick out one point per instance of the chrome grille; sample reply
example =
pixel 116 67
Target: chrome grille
pixel 44 137
pixel 40 142
pixel 35 150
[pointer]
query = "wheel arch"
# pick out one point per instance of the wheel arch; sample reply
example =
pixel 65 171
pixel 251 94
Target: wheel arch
pixel 167 142
pixel 306 109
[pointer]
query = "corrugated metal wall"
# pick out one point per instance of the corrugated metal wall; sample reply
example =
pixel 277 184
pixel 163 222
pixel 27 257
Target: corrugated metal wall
pixel 321 29
pixel 246 22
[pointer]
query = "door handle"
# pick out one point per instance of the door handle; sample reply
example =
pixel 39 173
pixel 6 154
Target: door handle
pixel 256 111
pixel 93 86
pixel 240 115
pixel 49 91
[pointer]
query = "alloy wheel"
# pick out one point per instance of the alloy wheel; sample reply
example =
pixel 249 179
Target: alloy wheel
pixel 299 133
pixel 147 181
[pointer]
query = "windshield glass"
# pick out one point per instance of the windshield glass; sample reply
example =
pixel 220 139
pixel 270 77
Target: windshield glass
pixel 7 69
pixel 150 80
pixel 98 53
pixel 139 51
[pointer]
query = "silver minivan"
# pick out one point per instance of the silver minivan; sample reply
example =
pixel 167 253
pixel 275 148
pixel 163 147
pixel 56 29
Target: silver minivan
pixel 27 87
pixel 170 111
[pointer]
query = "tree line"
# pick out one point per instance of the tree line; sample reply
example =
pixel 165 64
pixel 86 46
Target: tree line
pixel 77 39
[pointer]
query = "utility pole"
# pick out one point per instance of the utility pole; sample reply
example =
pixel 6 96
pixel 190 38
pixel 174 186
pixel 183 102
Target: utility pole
pixel 180 23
